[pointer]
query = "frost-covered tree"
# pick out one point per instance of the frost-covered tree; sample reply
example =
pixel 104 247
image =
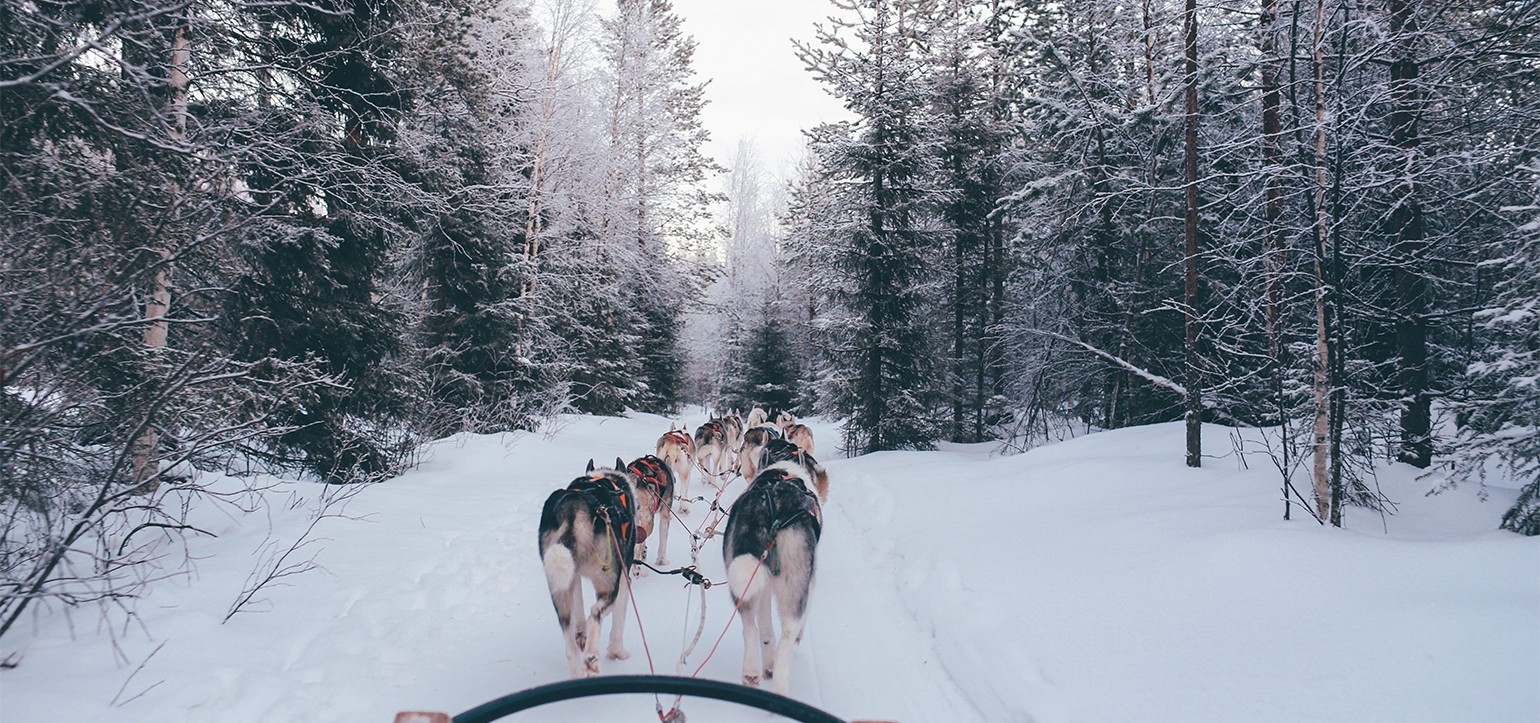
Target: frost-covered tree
pixel 1503 414
pixel 882 375
pixel 1098 202
pixel 317 284
pixel 464 148
pixel 970 77
pixel 654 206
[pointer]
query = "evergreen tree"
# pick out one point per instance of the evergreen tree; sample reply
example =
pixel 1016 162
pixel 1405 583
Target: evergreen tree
pixel 970 119
pixel 316 284
pixel 883 377
pixel 462 148
pixel 770 374
pixel 1503 414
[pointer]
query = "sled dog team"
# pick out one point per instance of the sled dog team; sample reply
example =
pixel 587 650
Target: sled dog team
pixel 597 527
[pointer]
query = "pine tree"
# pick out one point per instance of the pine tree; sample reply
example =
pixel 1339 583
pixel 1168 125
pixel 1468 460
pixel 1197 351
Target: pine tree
pixel 770 375
pixel 463 147
pixel 316 284
pixel 1503 416
pixel 969 119
pixel 883 379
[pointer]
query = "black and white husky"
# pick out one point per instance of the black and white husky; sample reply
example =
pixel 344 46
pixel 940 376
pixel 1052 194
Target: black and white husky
pixel 588 530
pixel 769 545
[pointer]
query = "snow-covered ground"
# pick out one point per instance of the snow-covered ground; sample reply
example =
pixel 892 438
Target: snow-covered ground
pixel 1093 580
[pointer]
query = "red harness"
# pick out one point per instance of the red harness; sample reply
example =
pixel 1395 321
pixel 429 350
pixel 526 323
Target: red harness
pixel 681 437
pixel 650 472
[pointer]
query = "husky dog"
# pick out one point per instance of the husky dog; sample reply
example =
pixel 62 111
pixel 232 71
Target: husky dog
pixel 771 535
pixel 654 496
pixel 587 530
pixel 782 450
pixel 732 424
pixel 799 435
pixel 753 440
pixel 677 448
pixel 784 420
pixel 711 451
pixel 757 416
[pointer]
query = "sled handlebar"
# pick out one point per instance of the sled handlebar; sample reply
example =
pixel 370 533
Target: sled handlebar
pixel 497 709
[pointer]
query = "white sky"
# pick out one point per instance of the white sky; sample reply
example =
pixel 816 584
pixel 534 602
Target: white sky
pixel 759 89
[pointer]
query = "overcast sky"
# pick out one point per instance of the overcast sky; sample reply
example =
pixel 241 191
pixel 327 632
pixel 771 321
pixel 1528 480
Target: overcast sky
pixel 758 89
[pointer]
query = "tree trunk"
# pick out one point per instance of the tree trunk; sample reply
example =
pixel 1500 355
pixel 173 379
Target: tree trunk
pixel 1190 234
pixel 1321 448
pixel 1408 239
pixel 146 473
pixel 1272 238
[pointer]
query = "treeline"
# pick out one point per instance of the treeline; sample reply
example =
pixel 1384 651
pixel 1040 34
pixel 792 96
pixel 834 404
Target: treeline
pixel 307 236
pixel 997 247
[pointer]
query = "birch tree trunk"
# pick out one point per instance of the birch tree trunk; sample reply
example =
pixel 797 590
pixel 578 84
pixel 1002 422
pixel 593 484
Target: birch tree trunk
pixel 1321 447
pixel 146 475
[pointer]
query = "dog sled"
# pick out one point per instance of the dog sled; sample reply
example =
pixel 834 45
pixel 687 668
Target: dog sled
pixel 507 705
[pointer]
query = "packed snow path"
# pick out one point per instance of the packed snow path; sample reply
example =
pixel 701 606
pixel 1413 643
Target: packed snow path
pixel 1092 580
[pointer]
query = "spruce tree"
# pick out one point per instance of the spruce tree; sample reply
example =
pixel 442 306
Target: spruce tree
pixel 884 379
pixel 315 289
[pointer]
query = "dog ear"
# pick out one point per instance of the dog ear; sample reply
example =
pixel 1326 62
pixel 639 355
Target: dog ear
pixel 590 465
pixel 620 463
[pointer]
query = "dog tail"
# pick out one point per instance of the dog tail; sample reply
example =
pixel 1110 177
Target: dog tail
pixel 747 577
pixel 560 567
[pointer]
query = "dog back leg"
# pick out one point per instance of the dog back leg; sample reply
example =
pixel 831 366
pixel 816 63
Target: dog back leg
pixel 666 510
pixel 574 629
pixel 749 613
pixel 684 486
pixel 683 471
pixel 792 589
pixel 791 632
pixel 567 597
pixel 617 648
pixel 766 624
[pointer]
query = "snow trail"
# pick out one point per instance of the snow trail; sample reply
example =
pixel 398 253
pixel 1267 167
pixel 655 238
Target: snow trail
pixel 1093 580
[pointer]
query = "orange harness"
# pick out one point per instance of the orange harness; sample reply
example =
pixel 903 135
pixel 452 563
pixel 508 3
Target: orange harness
pixel 620 516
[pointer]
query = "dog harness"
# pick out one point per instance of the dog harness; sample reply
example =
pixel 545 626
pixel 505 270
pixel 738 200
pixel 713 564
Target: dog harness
pixel 603 489
pixel 814 510
pixel 681 436
pixel 712 428
pixel 650 472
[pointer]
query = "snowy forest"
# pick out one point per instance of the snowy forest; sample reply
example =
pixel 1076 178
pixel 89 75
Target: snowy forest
pixel 309 237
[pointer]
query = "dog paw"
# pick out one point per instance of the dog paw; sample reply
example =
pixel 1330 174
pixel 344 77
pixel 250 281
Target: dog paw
pixel 619 654
pixel 661 562
pixel 591 663
pixel 751 680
